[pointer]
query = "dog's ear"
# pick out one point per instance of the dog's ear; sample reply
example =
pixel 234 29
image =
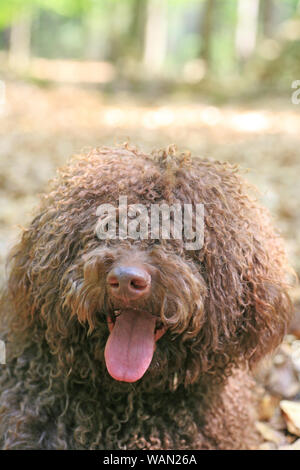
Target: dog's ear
pixel 267 310
pixel 17 306
pixel 35 267
pixel 248 307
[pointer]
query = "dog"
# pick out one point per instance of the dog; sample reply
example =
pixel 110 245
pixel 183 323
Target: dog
pixel 120 337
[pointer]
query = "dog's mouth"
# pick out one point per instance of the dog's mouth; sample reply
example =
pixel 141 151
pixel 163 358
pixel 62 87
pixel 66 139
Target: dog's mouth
pixel 131 343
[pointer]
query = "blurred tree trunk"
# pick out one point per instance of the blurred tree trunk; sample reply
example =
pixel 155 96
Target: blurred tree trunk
pixel 156 35
pixel 137 28
pixel 95 47
pixel 207 31
pixel 246 31
pixel 104 40
pixel 268 17
pixel 19 42
pixel 96 44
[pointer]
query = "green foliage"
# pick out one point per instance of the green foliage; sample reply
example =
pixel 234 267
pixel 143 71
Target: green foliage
pixel 66 7
pixel 10 10
pixel 114 30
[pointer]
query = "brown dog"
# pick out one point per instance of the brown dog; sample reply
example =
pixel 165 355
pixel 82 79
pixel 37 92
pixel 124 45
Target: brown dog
pixel 140 343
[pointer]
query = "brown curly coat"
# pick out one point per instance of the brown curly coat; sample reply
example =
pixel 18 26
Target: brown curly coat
pixel 224 307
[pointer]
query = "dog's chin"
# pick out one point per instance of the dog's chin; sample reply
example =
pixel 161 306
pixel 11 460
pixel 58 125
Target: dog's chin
pixel 131 344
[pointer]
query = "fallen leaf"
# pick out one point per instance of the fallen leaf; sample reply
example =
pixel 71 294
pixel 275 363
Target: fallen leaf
pixel 291 414
pixel 270 434
pixel 267 407
pixel 283 378
pixel 267 446
pixel 294 446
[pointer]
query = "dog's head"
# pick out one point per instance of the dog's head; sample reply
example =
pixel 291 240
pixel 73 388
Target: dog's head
pixel 150 306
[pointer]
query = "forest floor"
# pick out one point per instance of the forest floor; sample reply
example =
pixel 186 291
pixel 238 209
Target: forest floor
pixel 41 127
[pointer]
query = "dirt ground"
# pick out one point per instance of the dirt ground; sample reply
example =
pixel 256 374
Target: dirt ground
pixel 41 127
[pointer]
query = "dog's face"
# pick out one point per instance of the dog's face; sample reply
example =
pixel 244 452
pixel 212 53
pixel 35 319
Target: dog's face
pixel 151 308
pixel 146 296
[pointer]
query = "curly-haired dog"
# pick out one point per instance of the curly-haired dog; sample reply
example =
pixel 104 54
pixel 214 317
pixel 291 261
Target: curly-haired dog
pixel 140 343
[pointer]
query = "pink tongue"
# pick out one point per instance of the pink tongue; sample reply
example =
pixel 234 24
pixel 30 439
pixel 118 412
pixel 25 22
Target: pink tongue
pixel 130 346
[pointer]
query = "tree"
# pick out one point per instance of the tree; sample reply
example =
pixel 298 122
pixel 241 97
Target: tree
pixel 18 15
pixel 267 17
pixel 156 35
pixel 207 31
pixel 246 30
pixel 20 38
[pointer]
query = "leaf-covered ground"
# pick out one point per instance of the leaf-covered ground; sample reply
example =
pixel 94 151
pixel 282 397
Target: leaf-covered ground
pixel 40 128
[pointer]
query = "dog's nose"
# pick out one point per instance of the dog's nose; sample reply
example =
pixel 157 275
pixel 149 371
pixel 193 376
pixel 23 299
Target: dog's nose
pixel 129 282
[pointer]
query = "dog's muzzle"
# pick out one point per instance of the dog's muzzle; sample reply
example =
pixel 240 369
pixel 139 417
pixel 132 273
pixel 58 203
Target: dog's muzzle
pixel 133 330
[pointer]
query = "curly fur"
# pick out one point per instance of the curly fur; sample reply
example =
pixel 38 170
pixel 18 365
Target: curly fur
pixel 225 307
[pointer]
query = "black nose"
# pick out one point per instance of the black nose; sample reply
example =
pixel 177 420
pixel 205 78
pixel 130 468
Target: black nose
pixel 129 282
